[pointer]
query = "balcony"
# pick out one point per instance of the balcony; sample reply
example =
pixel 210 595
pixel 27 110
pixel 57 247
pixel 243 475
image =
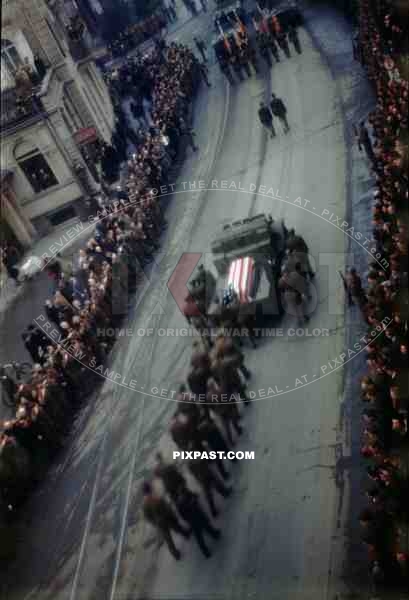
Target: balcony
pixel 21 105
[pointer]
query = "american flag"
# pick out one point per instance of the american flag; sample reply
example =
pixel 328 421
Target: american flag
pixel 241 278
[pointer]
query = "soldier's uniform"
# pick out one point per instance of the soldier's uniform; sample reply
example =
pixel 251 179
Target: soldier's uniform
pixel 295 293
pixel 225 69
pixel 283 43
pixel 236 64
pixel 225 371
pixel 227 411
pixel 188 506
pixel 171 477
pixel 183 431
pixel 297 243
pixel 262 43
pixel 201 470
pixel 244 59
pixel 274 48
pixel 294 39
pixel 158 512
pixel 252 54
pixel 209 433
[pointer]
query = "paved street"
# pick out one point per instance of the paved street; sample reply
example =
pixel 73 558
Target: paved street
pixel 84 538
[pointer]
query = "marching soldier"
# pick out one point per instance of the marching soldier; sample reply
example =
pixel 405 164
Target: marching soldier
pixel 227 350
pixel 296 243
pixel 160 514
pixel 170 475
pixel 201 46
pixel 294 39
pixel 204 71
pixel 225 69
pixel 266 118
pixel 263 47
pixel 209 482
pixel 210 434
pixel 183 431
pixel 226 373
pixel 252 54
pixel 189 508
pixel 274 48
pixel 295 289
pixel 227 411
pixel 244 58
pixel 197 380
pixel 283 43
pixel 279 109
pixel 236 64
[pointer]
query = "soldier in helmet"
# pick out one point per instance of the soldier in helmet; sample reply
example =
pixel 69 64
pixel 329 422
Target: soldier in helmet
pixel 262 43
pixel 161 515
pixel 189 508
pixel 296 243
pixel 209 482
pixel 273 46
pixel 170 476
pixel 252 54
pixel 236 64
pixel 244 58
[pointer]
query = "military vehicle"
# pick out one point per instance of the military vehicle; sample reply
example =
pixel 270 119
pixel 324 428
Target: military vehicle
pixel 247 255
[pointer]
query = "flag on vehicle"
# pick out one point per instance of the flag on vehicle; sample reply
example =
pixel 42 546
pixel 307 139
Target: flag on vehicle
pixel 241 278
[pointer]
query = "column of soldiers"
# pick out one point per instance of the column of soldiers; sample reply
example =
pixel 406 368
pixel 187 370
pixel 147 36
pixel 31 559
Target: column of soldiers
pixel 207 417
pixel 201 422
pixel 271 40
pixel 238 54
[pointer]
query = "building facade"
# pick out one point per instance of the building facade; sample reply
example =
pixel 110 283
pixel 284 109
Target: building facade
pixel 55 111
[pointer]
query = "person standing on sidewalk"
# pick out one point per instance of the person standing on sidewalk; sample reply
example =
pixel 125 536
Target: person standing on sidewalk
pixel 279 109
pixel 201 46
pixel 188 133
pixel 266 118
pixel 204 71
pixel 355 291
pixel 10 257
pixel 364 141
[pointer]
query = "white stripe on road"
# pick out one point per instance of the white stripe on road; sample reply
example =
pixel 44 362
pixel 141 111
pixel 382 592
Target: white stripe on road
pixel 89 516
pixel 127 500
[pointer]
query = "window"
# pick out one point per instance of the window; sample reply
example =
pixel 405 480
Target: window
pixel 36 169
pixel 10 56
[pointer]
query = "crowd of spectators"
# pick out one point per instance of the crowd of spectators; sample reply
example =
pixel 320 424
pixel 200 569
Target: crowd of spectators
pixel 383 43
pixel 94 297
pixel 137 34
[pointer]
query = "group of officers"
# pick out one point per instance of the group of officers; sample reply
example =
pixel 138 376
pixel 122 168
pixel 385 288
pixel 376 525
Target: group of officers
pixel 238 53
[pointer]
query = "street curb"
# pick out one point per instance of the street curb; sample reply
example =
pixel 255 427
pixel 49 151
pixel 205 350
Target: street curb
pixel 349 463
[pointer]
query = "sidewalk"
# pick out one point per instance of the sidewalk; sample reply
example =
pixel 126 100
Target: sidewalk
pixel 9 291
pixel 357 100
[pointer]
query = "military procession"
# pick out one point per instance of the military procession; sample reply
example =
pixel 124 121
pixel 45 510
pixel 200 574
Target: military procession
pixel 243 39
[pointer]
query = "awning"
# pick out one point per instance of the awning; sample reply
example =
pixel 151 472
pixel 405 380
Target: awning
pixel 86 135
